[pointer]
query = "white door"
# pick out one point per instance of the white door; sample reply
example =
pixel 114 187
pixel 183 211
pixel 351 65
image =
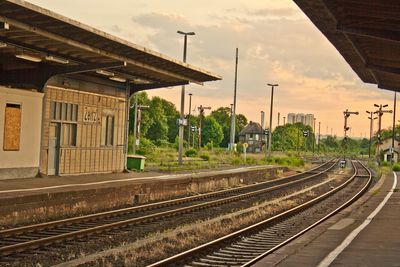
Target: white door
pixel 53 151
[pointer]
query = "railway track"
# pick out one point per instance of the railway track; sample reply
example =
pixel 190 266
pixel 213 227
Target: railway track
pixel 249 245
pixel 17 240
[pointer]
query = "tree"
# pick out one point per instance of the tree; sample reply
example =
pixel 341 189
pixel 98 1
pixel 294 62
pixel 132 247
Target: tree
pixel 172 115
pixel 290 137
pixel 158 131
pixel 223 117
pixel 211 132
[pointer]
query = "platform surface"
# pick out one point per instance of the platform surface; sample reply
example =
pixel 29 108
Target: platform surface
pixel 51 184
pixel 378 244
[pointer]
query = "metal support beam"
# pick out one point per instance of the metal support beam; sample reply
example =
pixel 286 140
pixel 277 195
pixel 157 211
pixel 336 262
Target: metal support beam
pixel 369 32
pixel 387 69
pixel 37 77
pixel 140 87
pixel 93 49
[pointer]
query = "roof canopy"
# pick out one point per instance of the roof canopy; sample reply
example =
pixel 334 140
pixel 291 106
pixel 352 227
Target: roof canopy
pixel 366 33
pixel 36 44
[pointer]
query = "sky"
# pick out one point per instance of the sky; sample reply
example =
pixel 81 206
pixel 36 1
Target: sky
pixel 277 44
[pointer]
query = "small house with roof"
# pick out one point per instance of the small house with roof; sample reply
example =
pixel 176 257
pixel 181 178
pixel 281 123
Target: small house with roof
pixel 252 134
pixel 385 148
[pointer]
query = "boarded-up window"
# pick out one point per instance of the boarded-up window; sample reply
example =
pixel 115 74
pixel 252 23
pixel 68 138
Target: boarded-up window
pixel 12 127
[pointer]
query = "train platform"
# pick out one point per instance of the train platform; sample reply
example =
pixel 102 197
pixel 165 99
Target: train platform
pixel 31 200
pixel 365 234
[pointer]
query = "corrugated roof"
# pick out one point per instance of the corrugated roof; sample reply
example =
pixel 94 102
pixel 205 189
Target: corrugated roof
pixel 38 31
pixel 366 34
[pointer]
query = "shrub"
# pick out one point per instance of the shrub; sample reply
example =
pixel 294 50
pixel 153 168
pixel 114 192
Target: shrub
pixel 209 146
pixel 236 161
pixel 205 156
pixel 396 167
pixel 239 148
pixel 191 152
pixel 162 143
pixel 384 164
pixel 146 147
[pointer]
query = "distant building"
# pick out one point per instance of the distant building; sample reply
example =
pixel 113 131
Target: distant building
pixel 385 147
pixel 309 120
pixel 300 117
pixel 252 134
pixel 291 118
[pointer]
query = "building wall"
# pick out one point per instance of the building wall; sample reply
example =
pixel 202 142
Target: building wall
pixel 309 120
pixel 300 117
pixel 291 118
pixel 90 153
pixel 21 162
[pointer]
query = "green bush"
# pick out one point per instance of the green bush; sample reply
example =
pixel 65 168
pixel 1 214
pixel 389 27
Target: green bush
pixel 191 152
pixel 209 146
pixel 146 147
pixel 239 148
pixel 384 164
pixel 236 161
pixel 396 167
pixel 205 156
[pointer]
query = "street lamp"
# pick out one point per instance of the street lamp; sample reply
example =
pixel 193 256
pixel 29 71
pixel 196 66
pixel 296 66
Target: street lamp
pixel 182 115
pixel 270 118
pixel 371 118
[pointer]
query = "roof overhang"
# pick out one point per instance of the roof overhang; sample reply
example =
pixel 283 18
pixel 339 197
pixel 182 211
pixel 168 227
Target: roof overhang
pixel 37 44
pixel 366 34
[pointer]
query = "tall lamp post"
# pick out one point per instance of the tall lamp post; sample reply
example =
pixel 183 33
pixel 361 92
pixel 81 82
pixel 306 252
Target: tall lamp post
pixel 270 117
pixel 190 107
pixel 380 112
pixel 371 118
pixel 182 115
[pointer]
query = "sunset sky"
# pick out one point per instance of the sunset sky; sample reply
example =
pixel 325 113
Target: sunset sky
pixel 277 44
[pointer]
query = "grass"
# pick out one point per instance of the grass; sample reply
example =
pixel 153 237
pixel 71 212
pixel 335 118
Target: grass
pixel 165 159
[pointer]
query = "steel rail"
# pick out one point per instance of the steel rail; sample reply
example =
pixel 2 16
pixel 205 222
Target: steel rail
pixel 161 204
pixel 280 217
pixel 6 250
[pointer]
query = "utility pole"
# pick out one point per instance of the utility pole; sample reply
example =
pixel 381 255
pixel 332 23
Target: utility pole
pixel 182 114
pixel 262 119
pixel 371 118
pixel 135 125
pixel 190 109
pixel 380 112
pixel 319 134
pixel 279 118
pixel 346 114
pixel 394 126
pixel 233 117
pixel 270 118
pixel 284 121
pixel 313 145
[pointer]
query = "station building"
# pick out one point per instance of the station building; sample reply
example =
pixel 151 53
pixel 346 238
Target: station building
pixel 64 89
